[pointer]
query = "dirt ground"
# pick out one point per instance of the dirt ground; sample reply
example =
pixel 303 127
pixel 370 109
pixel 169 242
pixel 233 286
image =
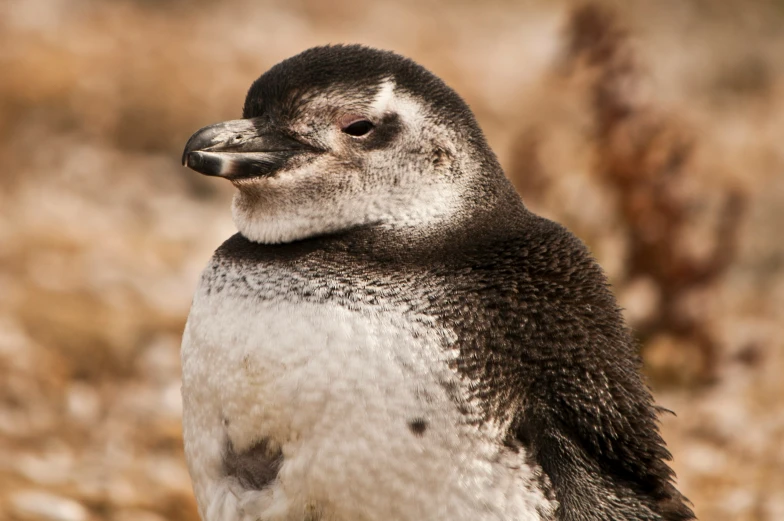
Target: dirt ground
pixel 654 130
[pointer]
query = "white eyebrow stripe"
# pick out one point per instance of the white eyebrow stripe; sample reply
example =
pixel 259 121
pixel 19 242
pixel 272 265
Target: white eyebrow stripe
pixel 384 97
pixel 404 105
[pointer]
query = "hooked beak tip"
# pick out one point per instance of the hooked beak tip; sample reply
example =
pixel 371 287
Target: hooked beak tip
pixel 216 150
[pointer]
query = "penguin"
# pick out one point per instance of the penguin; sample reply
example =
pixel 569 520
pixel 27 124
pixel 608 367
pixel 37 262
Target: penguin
pixel 392 334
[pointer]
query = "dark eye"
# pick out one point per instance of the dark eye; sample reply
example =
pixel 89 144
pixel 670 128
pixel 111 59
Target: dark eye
pixel 358 128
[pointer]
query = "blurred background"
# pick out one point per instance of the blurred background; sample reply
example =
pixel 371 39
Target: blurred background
pixel 654 130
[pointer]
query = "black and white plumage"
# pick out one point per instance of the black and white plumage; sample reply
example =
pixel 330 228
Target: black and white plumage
pixel 392 335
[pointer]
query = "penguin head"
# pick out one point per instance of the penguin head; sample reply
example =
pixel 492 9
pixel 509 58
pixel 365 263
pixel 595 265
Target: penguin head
pixel 340 137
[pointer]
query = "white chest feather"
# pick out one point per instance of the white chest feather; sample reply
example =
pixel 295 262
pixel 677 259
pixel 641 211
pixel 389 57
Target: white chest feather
pixel 361 405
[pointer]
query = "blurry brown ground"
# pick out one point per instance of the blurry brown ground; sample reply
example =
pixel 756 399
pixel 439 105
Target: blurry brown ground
pixel 656 135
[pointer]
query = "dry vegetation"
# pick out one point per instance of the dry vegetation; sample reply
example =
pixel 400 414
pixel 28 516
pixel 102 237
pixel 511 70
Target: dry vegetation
pixel 655 130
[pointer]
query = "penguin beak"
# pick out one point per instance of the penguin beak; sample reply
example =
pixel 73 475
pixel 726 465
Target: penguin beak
pixel 240 149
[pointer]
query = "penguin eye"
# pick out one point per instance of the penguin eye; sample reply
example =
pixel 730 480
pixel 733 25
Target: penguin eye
pixel 358 128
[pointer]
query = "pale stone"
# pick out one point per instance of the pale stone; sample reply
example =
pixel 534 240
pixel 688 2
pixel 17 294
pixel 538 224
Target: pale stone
pixel 43 506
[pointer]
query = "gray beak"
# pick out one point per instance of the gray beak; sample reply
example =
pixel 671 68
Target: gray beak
pixel 240 149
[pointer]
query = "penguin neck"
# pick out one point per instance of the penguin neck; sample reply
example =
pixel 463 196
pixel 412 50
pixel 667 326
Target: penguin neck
pixel 488 212
pixel 474 195
pixel 410 213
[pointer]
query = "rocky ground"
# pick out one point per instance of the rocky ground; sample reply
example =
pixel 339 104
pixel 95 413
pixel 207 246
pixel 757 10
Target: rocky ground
pixel 653 130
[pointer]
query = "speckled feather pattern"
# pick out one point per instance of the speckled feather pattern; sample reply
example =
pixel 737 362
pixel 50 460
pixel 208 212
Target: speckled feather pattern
pixel 538 344
pixel 335 370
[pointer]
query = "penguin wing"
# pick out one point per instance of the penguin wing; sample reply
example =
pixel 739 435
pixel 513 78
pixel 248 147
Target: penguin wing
pixel 588 415
pixel 556 337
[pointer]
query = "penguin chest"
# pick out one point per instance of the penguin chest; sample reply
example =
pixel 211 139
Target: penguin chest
pixel 348 399
pixel 352 414
pixel 303 371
